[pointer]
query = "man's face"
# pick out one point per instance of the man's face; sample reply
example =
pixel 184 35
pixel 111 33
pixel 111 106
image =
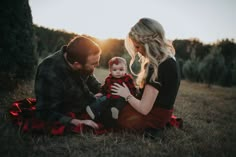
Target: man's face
pixel 89 66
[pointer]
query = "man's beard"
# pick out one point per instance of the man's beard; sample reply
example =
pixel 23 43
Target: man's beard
pixel 85 71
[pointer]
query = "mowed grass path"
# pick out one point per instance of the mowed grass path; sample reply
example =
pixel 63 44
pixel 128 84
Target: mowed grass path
pixel 209 116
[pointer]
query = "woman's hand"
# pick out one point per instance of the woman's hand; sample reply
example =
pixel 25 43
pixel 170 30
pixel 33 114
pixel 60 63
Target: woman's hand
pixel 85 122
pixel 120 90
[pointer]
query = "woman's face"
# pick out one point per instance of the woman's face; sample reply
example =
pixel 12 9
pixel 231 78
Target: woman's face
pixel 139 48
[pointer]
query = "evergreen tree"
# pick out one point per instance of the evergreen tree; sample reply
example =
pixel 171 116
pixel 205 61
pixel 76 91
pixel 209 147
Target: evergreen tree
pixel 17 50
pixel 50 40
pixel 212 69
pixel 190 70
pixel 234 73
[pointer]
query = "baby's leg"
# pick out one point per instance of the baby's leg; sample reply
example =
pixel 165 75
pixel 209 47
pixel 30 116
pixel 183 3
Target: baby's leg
pixel 94 110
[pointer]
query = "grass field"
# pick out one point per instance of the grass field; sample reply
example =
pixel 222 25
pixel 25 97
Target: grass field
pixel 209 116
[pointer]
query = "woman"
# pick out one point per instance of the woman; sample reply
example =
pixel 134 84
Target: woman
pixel 158 78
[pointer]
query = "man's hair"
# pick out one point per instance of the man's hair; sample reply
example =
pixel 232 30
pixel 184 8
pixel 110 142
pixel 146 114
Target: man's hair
pixel 116 60
pixel 79 48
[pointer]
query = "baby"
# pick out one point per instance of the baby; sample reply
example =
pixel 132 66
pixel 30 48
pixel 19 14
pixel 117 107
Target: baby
pixel 105 100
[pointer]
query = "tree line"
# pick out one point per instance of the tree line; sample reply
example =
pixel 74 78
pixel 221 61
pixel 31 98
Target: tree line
pixel 24 44
pixel 206 63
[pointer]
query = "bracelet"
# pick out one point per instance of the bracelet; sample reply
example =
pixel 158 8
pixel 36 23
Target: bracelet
pixel 128 97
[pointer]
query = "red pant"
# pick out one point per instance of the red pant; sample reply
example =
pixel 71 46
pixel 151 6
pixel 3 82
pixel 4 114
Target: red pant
pixel 130 119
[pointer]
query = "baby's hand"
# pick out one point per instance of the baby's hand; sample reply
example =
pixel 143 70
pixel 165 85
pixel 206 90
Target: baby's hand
pixel 98 95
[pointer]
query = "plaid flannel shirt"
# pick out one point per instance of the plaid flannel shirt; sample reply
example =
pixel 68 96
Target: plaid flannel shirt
pixel 60 90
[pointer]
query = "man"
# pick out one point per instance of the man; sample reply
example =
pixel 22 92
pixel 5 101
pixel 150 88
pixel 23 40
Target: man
pixel 65 82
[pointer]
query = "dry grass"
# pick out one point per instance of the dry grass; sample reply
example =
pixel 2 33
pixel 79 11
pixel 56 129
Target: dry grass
pixel 209 130
pixel 101 74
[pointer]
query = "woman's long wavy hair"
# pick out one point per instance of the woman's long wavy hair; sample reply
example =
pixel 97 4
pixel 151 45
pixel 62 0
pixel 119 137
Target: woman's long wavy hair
pixel 151 35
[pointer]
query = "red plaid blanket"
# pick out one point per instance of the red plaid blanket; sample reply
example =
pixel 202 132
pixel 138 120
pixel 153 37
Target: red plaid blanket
pixel 22 113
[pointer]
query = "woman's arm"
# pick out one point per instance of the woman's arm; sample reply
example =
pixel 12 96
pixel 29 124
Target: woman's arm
pixel 144 105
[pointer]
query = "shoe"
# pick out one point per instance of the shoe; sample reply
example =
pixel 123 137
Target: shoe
pixel 114 112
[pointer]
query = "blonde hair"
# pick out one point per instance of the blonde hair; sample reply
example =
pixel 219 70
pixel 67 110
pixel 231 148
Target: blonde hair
pixel 151 35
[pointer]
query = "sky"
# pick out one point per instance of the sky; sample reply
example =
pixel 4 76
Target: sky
pixel 206 20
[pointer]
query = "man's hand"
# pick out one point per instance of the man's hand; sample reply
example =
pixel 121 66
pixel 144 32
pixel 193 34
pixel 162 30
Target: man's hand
pixel 85 122
pixel 98 95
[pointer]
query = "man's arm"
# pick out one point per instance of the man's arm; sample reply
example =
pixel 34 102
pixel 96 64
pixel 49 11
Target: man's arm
pixel 49 94
pixel 93 84
pixel 105 89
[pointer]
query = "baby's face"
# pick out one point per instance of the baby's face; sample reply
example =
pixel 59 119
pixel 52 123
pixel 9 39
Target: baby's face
pixel 118 70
